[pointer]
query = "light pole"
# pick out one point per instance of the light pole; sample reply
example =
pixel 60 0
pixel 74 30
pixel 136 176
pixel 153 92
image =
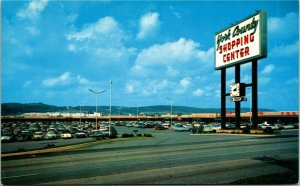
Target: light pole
pixel 109 131
pixel 97 93
pixel 171 108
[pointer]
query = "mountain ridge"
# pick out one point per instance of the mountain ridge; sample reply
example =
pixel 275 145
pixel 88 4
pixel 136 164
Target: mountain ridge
pixel 21 108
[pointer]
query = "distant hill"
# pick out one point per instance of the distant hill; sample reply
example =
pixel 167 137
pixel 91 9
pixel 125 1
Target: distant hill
pixel 19 108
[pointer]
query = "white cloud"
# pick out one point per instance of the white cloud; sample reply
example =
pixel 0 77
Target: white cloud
pixel 102 41
pixel 185 82
pixel 174 12
pixel 71 47
pixel 183 85
pixel 132 86
pixel 65 79
pixel 268 69
pixel 285 50
pixel 82 80
pixel 60 80
pixel 198 92
pixel 293 81
pixel 33 9
pixel 148 24
pixel 172 71
pixel 246 79
pixel 263 80
pixel 172 52
pixel 154 87
pixel 129 88
pixel 104 26
pixel 276 24
pixel 33 30
pixel 285 27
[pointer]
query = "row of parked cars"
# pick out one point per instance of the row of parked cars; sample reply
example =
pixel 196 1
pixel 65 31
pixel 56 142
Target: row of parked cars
pixel 157 125
pixel 214 126
pixel 26 131
pixel 278 126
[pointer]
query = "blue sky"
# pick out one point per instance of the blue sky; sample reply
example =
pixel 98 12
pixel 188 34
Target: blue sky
pixel 54 51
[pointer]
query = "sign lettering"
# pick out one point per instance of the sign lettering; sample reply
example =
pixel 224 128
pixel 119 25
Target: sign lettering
pixel 241 42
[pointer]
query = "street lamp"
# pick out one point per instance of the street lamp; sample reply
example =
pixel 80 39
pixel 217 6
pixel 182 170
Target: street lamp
pixel 171 108
pixel 109 130
pixel 97 93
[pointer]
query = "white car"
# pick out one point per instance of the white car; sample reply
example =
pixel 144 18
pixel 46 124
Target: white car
pixel 66 135
pixel 263 126
pixel 38 135
pixel 51 135
pixel 288 127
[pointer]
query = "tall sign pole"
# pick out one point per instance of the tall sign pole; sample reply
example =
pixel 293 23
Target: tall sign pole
pixel 223 98
pixel 254 95
pixel 237 103
pixel 244 42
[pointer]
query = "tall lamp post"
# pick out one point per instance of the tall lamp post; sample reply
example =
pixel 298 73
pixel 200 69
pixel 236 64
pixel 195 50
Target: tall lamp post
pixel 97 93
pixel 109 132
pixel 171 108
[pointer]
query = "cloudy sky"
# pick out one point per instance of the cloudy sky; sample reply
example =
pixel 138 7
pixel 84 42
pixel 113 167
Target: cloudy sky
pixel 54 51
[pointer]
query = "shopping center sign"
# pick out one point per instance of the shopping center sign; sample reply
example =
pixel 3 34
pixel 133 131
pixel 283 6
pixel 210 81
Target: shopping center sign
pixel 242 42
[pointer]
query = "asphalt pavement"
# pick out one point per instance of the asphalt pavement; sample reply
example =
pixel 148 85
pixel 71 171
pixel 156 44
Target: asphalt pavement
pixel 167 158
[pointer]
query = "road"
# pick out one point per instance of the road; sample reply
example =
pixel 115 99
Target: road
pixel 31 145
pixel 168 158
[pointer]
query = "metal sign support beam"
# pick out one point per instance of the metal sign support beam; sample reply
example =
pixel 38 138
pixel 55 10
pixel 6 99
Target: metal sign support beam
pixel 254 95
pixel 223 98
pixel 237 103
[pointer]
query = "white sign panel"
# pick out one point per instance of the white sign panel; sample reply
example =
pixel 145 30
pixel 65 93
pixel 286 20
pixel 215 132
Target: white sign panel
pixel 242 42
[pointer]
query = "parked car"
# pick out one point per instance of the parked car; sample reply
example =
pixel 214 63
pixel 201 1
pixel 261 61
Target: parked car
pixel 25 135
pixel 51 135
pixel 66 135
pixel 211 128
pixel 197 128
pixel 188 127
pixel 178 128
pixel 38 135
pixel 142 125
pixel 129 125
pixel 166 125
pixel 7 137
pixel 288 126
pixel 263 125
pixel 159 127
pixel 95 133
pixel 80 134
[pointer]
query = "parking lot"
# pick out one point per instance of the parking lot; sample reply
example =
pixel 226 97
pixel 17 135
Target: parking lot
pixel 166 158
pixel 24 136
